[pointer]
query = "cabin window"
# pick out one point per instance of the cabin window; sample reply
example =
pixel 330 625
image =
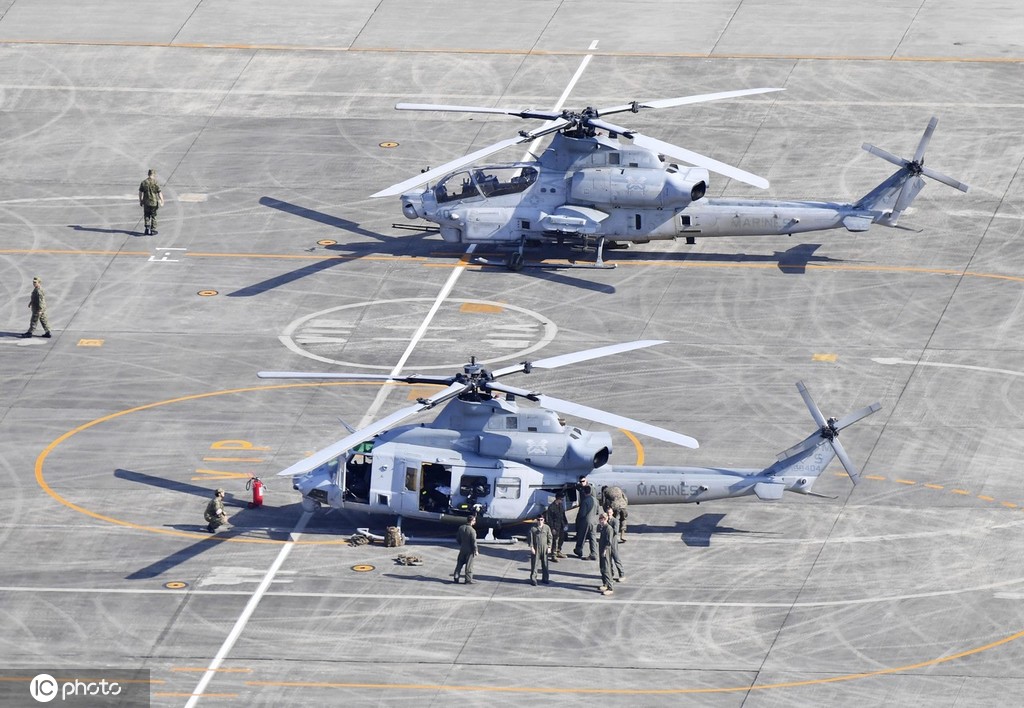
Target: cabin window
pixel 410 478
pixel 507 488
pixel 511 422
pixel 524 224
pixel 684 220
pixel 613 158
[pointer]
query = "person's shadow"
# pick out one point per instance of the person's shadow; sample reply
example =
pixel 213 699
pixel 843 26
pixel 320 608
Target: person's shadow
pixel 79 227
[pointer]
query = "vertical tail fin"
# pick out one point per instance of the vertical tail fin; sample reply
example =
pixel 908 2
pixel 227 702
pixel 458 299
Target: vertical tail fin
pixel 898 192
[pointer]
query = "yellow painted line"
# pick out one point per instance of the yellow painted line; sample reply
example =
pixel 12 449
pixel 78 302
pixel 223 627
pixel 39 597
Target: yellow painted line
pixel 934 486
pixel 824 357
pixel 985 498
pixel 41 459
pixel 960 491
pixel 875 477
pixel 481 307
pixel 463 262
pixel 639 447
pixel 1009 505
pixel 218 474
pixel 904 481
pixel 644 691
pixel 233 459
pixel 90 342
pixel 166 694
pixel 888 58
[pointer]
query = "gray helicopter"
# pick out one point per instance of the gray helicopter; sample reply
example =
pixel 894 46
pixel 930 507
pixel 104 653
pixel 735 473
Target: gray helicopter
pixel 592 189
pixel 486 455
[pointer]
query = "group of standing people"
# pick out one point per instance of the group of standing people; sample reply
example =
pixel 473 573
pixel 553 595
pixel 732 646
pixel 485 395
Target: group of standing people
pixel 603 532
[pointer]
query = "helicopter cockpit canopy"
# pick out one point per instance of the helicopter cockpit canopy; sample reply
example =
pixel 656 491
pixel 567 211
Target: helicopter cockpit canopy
pixel 484 182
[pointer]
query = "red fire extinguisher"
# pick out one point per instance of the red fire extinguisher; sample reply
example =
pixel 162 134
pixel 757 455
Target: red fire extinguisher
pixel 257 486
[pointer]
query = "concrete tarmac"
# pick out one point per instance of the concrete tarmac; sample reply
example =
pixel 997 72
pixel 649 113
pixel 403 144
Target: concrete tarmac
pixel 270 124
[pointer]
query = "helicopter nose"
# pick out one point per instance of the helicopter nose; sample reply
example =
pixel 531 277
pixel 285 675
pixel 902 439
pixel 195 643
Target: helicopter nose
pixel 410 210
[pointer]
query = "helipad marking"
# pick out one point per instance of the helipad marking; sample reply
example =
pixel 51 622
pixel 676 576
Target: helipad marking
pixel 90 343
pixel 175 585
pixel 363 568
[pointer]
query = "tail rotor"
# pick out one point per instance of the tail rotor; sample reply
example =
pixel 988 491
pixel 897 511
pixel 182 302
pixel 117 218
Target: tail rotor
pixel 829 431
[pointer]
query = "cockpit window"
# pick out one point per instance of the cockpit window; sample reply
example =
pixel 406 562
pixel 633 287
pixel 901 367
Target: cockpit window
pixel 484 181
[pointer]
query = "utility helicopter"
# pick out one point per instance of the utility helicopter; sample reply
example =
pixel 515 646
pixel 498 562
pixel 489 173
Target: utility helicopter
pixel 590 188
pixel 486 455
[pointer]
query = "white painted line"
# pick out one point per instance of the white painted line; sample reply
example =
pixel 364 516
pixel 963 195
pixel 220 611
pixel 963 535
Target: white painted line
pixel 67 199
pixel 985 369
pixel 574 595
pixel 250 607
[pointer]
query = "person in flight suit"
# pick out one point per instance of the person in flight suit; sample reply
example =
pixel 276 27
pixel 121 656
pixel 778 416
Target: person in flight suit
pixel 466 537
pixel 586 525
pixel 605 541
pixel 150 199
pixel 37 303
pixel 214 515
pixel 540 545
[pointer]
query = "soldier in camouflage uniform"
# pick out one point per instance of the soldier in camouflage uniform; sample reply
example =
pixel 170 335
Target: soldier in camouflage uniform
pixel 615 499
pixel 37 303
pixel 214 515
pixel 150 199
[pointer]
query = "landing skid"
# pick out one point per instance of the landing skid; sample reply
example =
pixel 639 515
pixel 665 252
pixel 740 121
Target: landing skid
pixel 516 260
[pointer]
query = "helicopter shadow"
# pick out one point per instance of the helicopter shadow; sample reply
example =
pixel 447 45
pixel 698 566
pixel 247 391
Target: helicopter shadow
pixel 791 261
pixel 79 227
pixel 346 253
pixel 698 532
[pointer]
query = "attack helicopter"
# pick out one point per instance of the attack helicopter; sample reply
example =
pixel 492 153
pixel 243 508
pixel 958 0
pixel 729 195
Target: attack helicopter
pixel 591 189
pixel 486 455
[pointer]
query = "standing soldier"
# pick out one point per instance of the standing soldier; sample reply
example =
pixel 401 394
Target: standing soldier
pixel 540 544
pixel 615 499
pixel 215 516
pixel 617 573
pixel 554 517
pixel 586 525
pixel 466 536
pixel 37 303
pixel 150 199
pixel 605 541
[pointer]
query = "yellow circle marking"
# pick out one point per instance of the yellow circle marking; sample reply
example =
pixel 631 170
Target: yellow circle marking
pixel 41 480
pixel 207 293
pixel 389 144
pixel 363 568
pixel 175 585
pixel 326 242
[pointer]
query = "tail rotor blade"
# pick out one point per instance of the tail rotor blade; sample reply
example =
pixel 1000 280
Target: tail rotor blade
pixel 811 405
pixel 923 145
pixel 851 469
pixel 945 179
pixel 848 420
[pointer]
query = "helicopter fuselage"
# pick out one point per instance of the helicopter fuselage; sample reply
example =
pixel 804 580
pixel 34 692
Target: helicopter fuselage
pixel 504 464
pixel 595 187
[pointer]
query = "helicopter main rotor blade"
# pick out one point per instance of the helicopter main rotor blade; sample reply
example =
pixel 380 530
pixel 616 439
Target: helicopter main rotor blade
pixel 526 113
pixel 412 378
pixel 599 416
pixel 565 359
pixel 402 187
pixel 693 158
pixel 347 443
pixel 684 100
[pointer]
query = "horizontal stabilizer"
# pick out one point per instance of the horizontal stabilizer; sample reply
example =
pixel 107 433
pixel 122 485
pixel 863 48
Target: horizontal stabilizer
pixel 768 491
